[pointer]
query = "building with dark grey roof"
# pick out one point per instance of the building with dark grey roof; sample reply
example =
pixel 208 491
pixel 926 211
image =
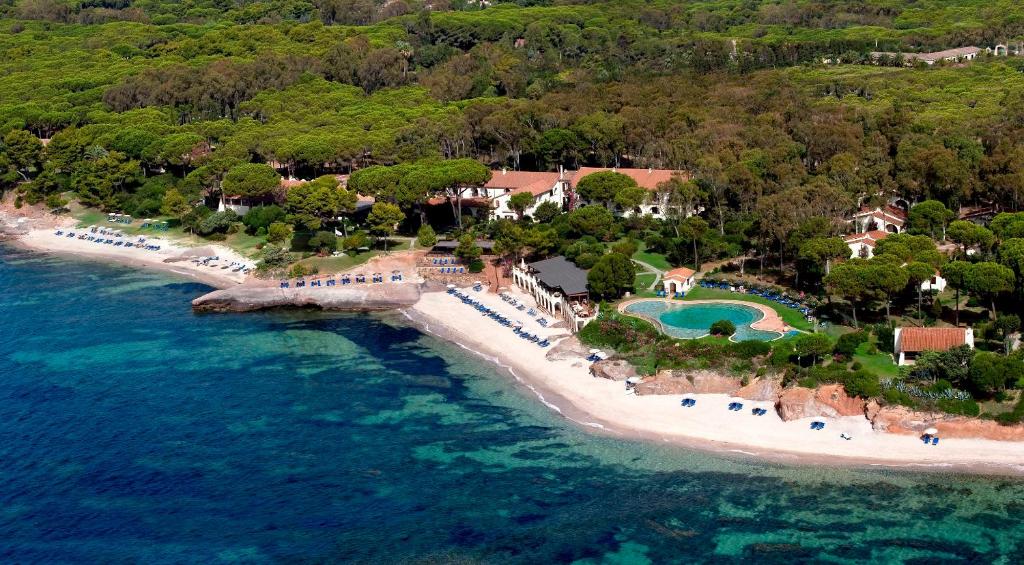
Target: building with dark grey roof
pixel 559 287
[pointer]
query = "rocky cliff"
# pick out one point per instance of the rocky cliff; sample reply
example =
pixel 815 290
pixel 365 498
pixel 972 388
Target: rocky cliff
pixel 902 420
pixel 246 298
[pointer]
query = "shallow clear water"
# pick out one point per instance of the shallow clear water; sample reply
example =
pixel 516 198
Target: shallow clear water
pixel 690 321
pixel 136 431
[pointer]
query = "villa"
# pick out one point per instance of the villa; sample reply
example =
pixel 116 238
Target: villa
pixel 678 280
pixel 888 219
pixel 648 179
pixel 909 343
pixel 494 196
pixel 560 288
pixel 863 244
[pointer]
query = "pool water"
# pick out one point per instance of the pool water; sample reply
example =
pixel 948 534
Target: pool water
pixel 691 321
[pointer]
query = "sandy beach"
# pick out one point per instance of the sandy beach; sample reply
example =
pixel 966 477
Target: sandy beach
pixel 567 386
pixel 41 234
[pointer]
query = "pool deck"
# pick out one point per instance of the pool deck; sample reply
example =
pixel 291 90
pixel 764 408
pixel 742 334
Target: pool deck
pixel 769 322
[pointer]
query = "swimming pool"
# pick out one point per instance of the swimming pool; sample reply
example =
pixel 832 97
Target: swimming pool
pixel 690 321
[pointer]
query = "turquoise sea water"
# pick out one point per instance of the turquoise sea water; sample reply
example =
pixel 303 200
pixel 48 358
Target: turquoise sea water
pixel 690 321
pixel 136 431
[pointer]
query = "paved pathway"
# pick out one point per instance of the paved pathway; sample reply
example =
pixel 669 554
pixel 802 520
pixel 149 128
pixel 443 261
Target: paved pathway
pixel 648 268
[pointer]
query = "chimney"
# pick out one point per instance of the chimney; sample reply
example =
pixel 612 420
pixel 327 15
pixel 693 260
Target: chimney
pixel 650 170
pixel 561 172
pixel 504 171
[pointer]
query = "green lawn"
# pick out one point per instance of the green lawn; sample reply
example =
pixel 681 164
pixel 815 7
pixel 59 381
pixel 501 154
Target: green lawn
pixel 879 363
pixel 791 316
pixel 656 260
pixel 644 281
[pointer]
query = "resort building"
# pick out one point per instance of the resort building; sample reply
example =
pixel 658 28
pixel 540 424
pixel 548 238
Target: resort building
pixel 678 280
pixel 935 284
pixel 888 219
pixel 863 244
pixel 657 201
pixel 560 288
pixel 909 343
pixel 491 201
pixel 504 184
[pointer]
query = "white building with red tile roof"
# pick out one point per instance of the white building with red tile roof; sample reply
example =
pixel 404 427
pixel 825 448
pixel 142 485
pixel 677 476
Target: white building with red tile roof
pixel 863 244
pixel 680 279
pixel 909 343
pixel 648 179
pixel 545 187
pixel 888 218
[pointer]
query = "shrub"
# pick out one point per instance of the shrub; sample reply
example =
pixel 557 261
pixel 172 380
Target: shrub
pixel 884 333
pixel 261 217
pixel 722 328
pixel 324 242
pixel 862 384
pixel 273 256
pixel 426 237
pixel 627 248
pixel 218 222
pixel 300 270
pixel 278 232
pixel 751 348
pixel 476 266
pixel 55 201
pixel 848 343
pixel 355 241
pixel 960 407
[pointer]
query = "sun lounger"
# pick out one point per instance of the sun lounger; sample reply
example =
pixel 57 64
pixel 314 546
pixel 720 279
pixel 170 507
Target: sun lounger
pixel 935 440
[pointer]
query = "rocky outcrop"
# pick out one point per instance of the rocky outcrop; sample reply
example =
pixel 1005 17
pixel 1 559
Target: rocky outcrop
pixel 688 382
pixel 902 420
pixel 761 389
pixel 828 401
pixel 246 298
pixel 568 348
pixel 613 370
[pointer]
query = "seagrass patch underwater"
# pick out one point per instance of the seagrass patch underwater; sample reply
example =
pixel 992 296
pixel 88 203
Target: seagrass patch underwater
pixel 135 430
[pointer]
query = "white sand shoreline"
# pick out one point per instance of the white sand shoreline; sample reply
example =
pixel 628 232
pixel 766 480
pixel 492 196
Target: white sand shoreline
pixel 601 405
pixel 170 258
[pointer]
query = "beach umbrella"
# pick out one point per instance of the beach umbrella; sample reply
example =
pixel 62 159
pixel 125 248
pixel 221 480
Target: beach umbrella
pixel 595 350
pixel 932 431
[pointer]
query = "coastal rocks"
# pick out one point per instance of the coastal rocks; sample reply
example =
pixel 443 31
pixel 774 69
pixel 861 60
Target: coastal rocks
pixel 760 389
pixel 688 382
pixel 247 298
pixel 829 401
pixel 569 348
pixel 902 420
pixel 613 370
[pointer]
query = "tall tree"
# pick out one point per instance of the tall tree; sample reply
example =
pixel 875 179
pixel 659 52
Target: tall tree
pixel 989 280
pixel 383 219
pixel 320 201
pixel 957 274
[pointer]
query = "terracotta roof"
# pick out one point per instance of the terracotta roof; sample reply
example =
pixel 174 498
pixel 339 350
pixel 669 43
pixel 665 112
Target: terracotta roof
pixel 931 339
pixel 466 202
pixel 888 214
pixel 645 178
pixel 523 181
pixel 680 273
pixel 870 238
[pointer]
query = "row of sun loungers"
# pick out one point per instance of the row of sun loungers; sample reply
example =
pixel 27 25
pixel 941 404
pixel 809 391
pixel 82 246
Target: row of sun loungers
pixel 689 402
pixel 119 218
pixel 817 425
pixel 140 244
pixel 331 280
pixel 930 439
pixel 521 307
pixel 663 294
pixel 768 294
pixel 445 261
pixel 498 317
